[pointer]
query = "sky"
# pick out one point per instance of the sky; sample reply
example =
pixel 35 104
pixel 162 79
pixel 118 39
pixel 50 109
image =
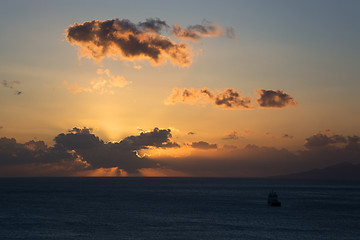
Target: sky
pixel 178 88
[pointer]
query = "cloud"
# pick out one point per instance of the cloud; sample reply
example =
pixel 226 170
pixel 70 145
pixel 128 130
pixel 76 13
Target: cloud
pixel 10 85
pixel 122 39
pixel 125 40
pixel 203 145
pixel 191 133
pixel 285 135
pixel 259 161
pixel 79 152
pixel 229 98
pixel 274 99
pixel 159 138
pixel 196 32
pixel 232 135
pixel 230 33
pixel 104 83
pixel 321 140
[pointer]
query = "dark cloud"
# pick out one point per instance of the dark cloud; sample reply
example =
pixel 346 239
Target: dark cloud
pixel 195 32
pixel 321 140
pixel 274 99
pixel 285 135
pixel 10 85
pixel 80 150
pixel 13 153
pixel 229 98
pixel 122 154
pixel 159 138
pixel 203 145
pixel 233 135
pixel 155 25
pixel 122 38
pixel 191 133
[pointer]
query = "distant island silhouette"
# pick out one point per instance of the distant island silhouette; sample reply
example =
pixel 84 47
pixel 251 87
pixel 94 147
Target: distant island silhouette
pixel 340 171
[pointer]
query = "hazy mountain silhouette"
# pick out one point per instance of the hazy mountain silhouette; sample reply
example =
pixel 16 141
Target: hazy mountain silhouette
pixel 341 171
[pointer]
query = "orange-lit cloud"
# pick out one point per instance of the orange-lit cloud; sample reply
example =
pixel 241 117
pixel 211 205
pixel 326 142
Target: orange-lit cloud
pixel 122 39
pixel 229 99
pixel 274 99
pixel 125 40
pixel 104 83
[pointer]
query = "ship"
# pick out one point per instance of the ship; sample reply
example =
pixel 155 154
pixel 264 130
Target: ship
pixel 273 199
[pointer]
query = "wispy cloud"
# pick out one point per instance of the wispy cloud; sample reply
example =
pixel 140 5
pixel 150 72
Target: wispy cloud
pixel 104 83
pixel 10 85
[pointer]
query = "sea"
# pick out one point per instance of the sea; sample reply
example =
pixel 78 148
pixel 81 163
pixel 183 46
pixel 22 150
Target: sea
pixel 177 208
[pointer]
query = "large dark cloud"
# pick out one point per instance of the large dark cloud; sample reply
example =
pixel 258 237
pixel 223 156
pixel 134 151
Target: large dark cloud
pixel 274 99
pixel 122 154
pixel 13 153
pixel 81 150
pixel 122 38
pixel 229 98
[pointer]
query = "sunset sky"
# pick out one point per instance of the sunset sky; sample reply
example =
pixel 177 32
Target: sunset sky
pixel 178 88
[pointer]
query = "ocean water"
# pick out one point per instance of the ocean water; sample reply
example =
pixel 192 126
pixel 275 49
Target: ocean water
pixel 177 208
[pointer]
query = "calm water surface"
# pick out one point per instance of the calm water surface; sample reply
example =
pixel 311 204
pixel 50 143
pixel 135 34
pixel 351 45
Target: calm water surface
pixel 176 208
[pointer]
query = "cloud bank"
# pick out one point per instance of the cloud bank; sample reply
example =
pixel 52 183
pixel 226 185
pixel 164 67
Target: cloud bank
pixel 79 152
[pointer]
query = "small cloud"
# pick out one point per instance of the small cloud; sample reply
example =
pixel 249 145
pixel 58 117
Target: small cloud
pixel 10 85
pixel 137 67
pixel 229 99
pixel 232 135
pixel 203 145
pixel 191 133
pixel 229 147
pixel 285 135
pixel 274 99
pixel 230 33
pixel 196 32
